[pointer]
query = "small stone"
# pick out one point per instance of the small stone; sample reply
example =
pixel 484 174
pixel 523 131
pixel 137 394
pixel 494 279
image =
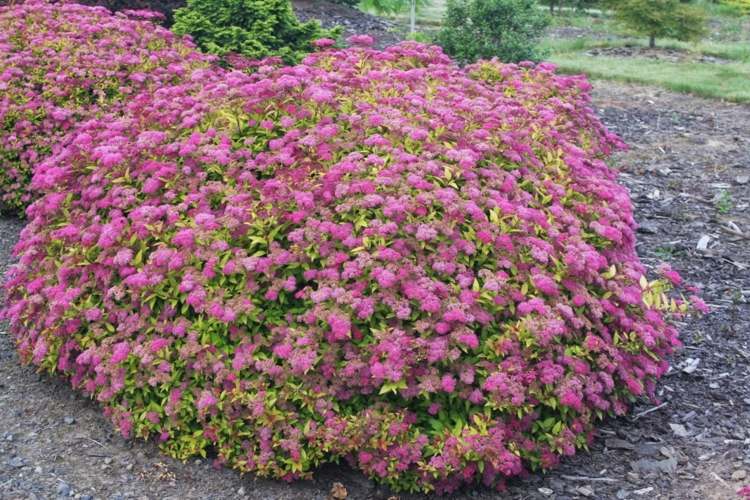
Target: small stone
pixel 241 491
pixel 546 492
pixel 17 462
pixel 739 475
pixel 742 179
pixel 108 460
pixel 9 437
pixel 679 430
pixel 644 491
pixel 746 401
pixel 703 242
pixel 69 420
pixel 63 489
pixel 586 491
pixel 691 364
pixel 37 470
pixel 129 467
pixel 622 494
pixel 633 477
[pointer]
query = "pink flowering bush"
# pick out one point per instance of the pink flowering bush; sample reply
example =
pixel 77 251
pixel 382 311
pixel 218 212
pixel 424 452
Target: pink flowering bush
pixel 376 256
pixel 62 63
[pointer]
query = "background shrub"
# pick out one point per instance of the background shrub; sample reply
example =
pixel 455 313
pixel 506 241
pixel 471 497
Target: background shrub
pixel 742 6
pixel 63 63
pixel 661 19
pixel 379 256
pixel 506 29
pixel 253 28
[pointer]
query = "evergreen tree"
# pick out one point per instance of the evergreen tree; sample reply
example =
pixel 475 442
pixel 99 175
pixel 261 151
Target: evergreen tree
pixel 661 19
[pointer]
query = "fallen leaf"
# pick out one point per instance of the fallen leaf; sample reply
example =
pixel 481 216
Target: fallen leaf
pixel 338 492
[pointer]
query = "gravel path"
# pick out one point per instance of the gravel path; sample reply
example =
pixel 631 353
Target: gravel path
pixel 688 172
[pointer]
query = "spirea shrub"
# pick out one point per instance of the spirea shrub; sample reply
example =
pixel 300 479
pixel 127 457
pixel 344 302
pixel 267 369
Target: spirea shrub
pixel 62 63
pixel 376 256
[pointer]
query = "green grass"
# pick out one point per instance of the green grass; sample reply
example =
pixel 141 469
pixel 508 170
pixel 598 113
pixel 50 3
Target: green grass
pixel 729 40
pixel 723 81
pixel 733 51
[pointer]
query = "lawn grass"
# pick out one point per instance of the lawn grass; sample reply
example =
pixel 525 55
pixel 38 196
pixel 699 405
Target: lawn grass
pixel 729 40
pixel 722 81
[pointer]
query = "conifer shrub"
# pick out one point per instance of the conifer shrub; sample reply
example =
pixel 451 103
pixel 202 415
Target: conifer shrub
pixel 376 256
pixel 63 63
pixel 252 28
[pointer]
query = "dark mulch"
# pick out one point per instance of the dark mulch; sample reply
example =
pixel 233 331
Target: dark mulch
pixel 353 21
pixel 656 53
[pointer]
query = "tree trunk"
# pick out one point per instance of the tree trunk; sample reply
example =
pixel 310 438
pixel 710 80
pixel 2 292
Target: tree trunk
pixel 413 17
pixel 652 41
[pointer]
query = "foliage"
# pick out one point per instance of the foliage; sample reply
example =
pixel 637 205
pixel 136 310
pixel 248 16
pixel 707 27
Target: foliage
pixel 662 19
pixel 426 270
pixel 742 6
pixel 719 81
pixel 507 29
pixel 252 28
pixel 64 63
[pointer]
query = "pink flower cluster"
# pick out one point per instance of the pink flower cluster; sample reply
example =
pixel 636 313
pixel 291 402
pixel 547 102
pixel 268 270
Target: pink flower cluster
pixel 62 63
pixel 426 270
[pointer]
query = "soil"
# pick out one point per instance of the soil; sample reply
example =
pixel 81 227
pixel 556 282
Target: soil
pixel 656 53
pixel 353 21
pixel 573 32
pixel 688 170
